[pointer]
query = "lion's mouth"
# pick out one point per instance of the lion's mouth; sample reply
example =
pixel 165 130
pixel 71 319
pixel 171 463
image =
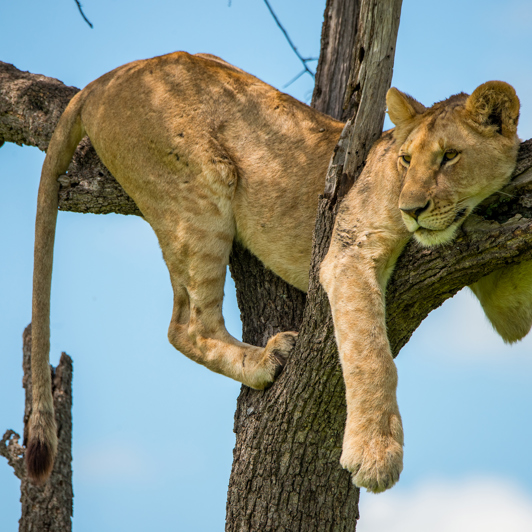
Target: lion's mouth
pixel 459 216
pixel 434 237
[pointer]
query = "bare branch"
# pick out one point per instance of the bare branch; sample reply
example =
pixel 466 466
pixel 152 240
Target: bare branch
pixel 13 452
pixel 294 79
pixel 83 14
pixel 292 45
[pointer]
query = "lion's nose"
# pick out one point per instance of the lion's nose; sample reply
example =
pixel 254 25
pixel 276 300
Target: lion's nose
pixel 415 212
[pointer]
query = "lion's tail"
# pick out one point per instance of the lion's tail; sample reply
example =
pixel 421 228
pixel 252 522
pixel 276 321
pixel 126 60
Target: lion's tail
pixel 41 445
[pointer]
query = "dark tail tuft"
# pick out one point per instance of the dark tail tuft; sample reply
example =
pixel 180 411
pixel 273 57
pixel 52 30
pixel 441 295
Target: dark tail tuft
pixel 39 461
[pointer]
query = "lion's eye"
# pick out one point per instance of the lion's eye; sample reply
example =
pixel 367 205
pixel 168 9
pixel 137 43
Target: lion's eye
pixel 406 159
pixel 449 156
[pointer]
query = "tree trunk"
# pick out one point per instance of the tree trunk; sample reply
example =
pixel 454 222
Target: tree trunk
pixel 285 472
pixel 47 508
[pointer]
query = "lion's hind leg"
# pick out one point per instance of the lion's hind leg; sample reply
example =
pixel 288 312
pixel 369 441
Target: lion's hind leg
pixel 197 329
pixel 197 256
pixel 506 297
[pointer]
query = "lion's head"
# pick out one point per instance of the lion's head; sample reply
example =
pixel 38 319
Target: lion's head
pixel 452 155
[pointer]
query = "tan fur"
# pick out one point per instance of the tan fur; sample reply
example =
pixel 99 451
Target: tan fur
pixel 211 154
pixel 431 197
pixel 506 297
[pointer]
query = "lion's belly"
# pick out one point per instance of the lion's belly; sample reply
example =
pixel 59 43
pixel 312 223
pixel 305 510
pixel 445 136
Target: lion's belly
pixel 277 230
pixel 287 258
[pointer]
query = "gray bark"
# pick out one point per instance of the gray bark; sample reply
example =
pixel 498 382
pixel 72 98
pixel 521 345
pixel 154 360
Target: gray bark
pixel 30 107
pixel 47 508
pixel 337 46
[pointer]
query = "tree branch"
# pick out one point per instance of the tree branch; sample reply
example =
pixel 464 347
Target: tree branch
pixel 78 3
pixel 497 234
pixel 30 107
pixel 304 60
pixel 13 452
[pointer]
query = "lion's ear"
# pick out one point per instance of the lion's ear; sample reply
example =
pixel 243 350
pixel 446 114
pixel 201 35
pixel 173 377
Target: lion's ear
pixel 495 107
pixel 402 107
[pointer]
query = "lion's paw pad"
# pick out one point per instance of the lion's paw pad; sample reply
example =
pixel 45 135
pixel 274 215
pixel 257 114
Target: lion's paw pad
pixel 376 467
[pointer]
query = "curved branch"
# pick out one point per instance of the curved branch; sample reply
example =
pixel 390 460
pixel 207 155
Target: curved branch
pixel 78 3
pixel 499 233
pixel 304 60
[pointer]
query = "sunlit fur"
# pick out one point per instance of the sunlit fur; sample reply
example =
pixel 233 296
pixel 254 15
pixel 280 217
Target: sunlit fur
pixel 482 140
pixel 211 154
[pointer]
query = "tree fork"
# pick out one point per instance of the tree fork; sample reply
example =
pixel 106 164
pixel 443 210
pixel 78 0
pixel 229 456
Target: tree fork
pixel 286 473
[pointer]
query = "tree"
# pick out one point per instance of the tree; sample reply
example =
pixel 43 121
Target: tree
pixel 46 507
pixel 284 473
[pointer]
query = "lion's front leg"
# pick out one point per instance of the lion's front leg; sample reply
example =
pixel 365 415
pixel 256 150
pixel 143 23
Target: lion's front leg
pixel 373 439
pixel 506 297
pixel 354 279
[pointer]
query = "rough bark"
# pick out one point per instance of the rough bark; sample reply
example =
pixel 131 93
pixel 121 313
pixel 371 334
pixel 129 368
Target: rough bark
pixel 47 508
pixel 285 472
pixel 337 45
pixel 30 107
pixel 289 438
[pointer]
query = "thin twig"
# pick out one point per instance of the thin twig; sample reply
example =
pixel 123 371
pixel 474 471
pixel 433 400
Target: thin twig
pixel 294 79
pixel 301 58
pixel 83 14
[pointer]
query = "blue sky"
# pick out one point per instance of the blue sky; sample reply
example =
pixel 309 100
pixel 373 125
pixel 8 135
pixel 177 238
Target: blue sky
pixel 153 431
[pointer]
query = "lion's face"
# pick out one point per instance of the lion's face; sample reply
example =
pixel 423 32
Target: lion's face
pixel 452 156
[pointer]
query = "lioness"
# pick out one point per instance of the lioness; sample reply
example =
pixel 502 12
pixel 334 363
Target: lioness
pixel 211 154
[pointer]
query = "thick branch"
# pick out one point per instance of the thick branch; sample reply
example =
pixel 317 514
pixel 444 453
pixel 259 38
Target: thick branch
pixel 498 234
pixel 30 107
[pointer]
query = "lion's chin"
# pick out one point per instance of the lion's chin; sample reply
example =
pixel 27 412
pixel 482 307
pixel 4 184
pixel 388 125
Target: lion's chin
pixel 429 237
pixel 437 237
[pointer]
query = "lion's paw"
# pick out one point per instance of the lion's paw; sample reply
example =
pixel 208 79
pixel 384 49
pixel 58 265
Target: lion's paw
pixel 374 464
pixel 273 359
pixel 277 350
